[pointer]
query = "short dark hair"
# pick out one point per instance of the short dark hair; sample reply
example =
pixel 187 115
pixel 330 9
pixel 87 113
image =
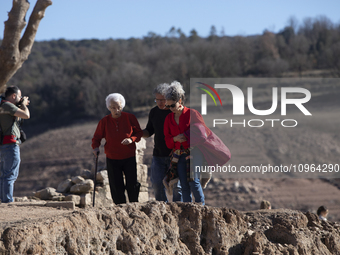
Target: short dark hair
pixel 11 90
pixel 321 209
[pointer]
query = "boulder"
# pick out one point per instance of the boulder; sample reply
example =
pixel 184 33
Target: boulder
pixel 77 179
pixel 86 174
pixel 83 187
pixel 46 194
pixel 64 186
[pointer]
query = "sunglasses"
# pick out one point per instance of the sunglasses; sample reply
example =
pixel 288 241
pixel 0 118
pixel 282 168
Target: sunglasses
pixel 171 106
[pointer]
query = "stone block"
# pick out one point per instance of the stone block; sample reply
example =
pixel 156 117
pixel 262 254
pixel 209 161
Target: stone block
pixel 74 198
pixel 144 189
pixel 142 173
pixel 143 197
pixel 102 177
pixel 103 196
pixel 58 198
pixel 29 203
pixel 139 159
pixel 141 145
pixel 65 204
pixel 107 192
pixel 86 199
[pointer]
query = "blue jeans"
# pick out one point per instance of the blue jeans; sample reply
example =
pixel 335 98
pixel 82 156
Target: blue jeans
pixel 9 170
pixel 159 166
pixel 195 185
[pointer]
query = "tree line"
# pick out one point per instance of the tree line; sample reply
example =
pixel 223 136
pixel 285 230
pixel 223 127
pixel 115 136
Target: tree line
pixel 69 80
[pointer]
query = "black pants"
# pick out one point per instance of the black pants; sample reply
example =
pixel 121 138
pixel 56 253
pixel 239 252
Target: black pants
pixel 115 169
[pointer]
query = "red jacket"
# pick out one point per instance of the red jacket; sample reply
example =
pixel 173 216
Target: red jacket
pixel 115 131
pixel 171 129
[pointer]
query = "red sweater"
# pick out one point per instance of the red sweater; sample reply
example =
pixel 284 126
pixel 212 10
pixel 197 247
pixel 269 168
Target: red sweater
pixel 171 129
pixel 115 131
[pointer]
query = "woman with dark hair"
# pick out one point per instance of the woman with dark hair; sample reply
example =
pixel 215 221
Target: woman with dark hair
pixel 322 212
pixel 176 127
pixel 121 131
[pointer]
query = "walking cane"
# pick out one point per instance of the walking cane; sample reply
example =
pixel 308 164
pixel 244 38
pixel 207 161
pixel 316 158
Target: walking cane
pixel 95 178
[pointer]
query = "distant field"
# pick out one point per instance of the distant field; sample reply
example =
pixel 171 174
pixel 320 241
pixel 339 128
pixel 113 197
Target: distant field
pixel 57 154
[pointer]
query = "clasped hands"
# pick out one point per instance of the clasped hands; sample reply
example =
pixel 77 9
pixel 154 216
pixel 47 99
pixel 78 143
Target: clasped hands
pixel 180 138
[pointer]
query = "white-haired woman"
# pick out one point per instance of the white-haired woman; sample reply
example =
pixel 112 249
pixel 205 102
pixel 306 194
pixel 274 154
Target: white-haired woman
pixel 176 132
pixel 121 130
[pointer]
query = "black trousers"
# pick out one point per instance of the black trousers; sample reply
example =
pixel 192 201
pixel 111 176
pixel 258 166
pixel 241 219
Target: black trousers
pixel 115 170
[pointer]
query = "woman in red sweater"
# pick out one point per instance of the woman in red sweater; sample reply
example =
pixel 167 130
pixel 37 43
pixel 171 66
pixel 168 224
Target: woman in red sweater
pixel 121 130
pixel 177 132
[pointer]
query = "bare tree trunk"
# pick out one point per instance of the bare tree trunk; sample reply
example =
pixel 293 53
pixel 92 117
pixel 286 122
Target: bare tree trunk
pixel 13 50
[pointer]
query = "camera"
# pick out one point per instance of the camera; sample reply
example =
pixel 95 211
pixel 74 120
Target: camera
pixel 20 102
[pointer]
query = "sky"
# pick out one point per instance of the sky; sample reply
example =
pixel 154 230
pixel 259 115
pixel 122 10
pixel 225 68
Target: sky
pixel 104 19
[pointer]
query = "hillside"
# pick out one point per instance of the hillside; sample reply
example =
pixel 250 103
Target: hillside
pixel 49 158
pixel 67 80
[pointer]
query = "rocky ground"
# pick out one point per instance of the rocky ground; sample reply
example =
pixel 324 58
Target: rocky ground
pixel 159 228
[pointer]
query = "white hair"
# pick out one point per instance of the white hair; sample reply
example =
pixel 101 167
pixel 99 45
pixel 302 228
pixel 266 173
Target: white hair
pixel 115 97
pixel 175 92
pixel 161 89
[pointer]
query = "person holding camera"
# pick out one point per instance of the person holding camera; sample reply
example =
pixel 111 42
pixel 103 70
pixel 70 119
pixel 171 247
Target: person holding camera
pixel 13 108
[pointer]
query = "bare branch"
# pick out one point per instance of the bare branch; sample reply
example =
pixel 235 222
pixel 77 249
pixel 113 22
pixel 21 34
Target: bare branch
pixel 9 50
pixel 27 40
pixel 14 25
pixel 13 51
